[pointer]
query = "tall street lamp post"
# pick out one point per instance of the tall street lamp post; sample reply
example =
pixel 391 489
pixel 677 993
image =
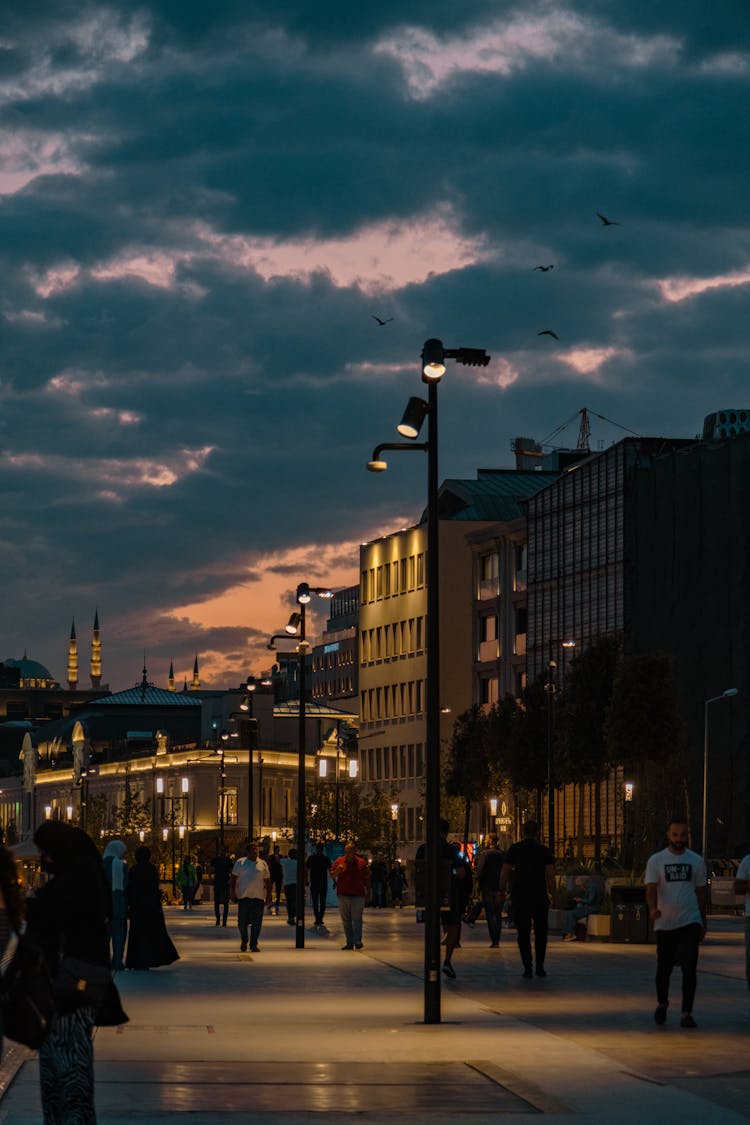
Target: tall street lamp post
pixel 296 628
pixel 550 688
pixel 727 694
pixel 247 706
pixel 433 359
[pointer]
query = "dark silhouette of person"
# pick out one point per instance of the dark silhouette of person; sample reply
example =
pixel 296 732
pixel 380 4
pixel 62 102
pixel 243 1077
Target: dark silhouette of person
pixel 318 866
pixel 529 870
pixel 149 944
pixel 222 867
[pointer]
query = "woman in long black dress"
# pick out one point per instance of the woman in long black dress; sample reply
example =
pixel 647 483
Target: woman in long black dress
pixel 149 944
pixel 69 915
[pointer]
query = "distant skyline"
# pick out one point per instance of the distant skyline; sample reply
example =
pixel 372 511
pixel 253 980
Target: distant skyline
pixel 206 210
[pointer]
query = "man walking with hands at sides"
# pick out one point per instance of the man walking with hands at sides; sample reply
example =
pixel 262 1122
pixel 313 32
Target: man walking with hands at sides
pixel 742 887
pixel 250 888
pixel 676 897
pixel 351 875
pixel 529 871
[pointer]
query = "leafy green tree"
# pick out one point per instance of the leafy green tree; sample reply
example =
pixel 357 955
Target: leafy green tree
pixel 133 814
pixel 582 748
pixel 468 772
pixel 646 735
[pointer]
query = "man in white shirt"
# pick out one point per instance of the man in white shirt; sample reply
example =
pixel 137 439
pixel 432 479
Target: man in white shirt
pixel 676 897
pixel 250 888
pixel 742 887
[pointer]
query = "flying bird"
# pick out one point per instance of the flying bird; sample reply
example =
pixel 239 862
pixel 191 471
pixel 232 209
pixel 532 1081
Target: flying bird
pixel 607 222
pixel 381 322
pixel 548 332
pixel 544 269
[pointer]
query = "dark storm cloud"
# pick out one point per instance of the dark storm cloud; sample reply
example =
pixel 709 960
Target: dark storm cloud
pixel 208 203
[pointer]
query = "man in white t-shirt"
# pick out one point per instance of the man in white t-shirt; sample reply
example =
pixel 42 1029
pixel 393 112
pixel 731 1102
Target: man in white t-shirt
pixel 676 897
pixel 250 888
pixel 742 887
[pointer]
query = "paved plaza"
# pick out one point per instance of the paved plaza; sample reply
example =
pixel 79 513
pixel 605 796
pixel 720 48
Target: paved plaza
pixel 300 1035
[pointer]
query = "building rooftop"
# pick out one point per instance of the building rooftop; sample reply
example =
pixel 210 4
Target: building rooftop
pixel 496 494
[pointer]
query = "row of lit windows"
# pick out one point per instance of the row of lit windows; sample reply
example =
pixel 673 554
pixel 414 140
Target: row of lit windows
pixel 393 578
pixel 338 659
pixel 397 639
pixel 340 685
pixel 393 701
pixel 392 763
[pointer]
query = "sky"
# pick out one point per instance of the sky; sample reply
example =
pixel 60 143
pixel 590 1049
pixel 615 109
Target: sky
pixel 203 208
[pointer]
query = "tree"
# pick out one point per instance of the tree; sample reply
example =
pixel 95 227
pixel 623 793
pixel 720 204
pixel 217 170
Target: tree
pixel 646 735
pixel 133 814
pixel 468 772
pixel 527 750
pixel 583 750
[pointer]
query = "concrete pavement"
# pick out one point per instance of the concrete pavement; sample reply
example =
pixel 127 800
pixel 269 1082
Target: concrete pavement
pixel 301 1033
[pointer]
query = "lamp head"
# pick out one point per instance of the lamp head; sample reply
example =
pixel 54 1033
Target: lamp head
pixel 377 466
pixel 303 593
pixel 433 361
pixel 730 691
pixel 414 416
pixel 292 625
pixel 250 685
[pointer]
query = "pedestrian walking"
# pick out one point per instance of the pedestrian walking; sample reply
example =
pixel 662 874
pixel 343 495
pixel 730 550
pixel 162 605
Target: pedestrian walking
pixel 69 914
pixel 116 872
pixel 676 897
pixel 318 866
pixel 378 879
pixel 461 882
pixel 351 875
pixel 250 888
pixel 149 944
pixel 742 887
pixel 488 881
pixel 529 872
pixel 222 869
pixel 397 884
pixel 289 873
pixel 277 877
pixel 187 880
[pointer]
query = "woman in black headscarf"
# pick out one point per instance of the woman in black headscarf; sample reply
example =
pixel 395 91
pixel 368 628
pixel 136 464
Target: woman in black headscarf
pixel 69 916
pixel 11 908
pixel 149 944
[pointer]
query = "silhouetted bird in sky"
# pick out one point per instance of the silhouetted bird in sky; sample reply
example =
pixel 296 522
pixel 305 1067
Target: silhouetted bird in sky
pixel 548 332
pixel 381 322
pixel 608 222
pixel 544 269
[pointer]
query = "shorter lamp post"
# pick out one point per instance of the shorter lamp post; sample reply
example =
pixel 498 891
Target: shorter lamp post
pixel 727 694
pixel 394 831
pixel 296 628
pixel 550 688
pixel 164 797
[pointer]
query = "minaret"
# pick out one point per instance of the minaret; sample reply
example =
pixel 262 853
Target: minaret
pixel 96 654
pixel 196 678
pixel 72 659
pixel 171 676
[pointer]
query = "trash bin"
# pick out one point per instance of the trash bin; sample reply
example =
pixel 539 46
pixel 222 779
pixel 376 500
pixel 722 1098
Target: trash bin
pixel 629 921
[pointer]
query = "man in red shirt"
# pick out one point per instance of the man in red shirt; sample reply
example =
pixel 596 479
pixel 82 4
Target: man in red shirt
pixel 351 876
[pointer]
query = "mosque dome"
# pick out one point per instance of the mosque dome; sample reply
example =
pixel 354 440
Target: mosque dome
pixel 32 673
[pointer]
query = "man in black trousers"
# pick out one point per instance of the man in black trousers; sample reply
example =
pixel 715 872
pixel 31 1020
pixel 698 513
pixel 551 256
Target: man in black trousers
pixel 529 871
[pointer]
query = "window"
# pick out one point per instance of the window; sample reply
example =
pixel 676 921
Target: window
pixel 387 580
pixel 394 567
pixel 410 759
pixel 419 691
pixel 411 634
pixel 403 576
pixel 394 761
pixel 230 805
pixel 379 583
pixel 420 621
pixel 420 570
pixel 363 592
pixel 412 572
pixel 419 763
pixel 386 763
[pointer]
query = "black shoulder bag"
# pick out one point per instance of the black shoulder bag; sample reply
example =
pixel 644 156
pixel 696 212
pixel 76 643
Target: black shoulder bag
pixel 27 1002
